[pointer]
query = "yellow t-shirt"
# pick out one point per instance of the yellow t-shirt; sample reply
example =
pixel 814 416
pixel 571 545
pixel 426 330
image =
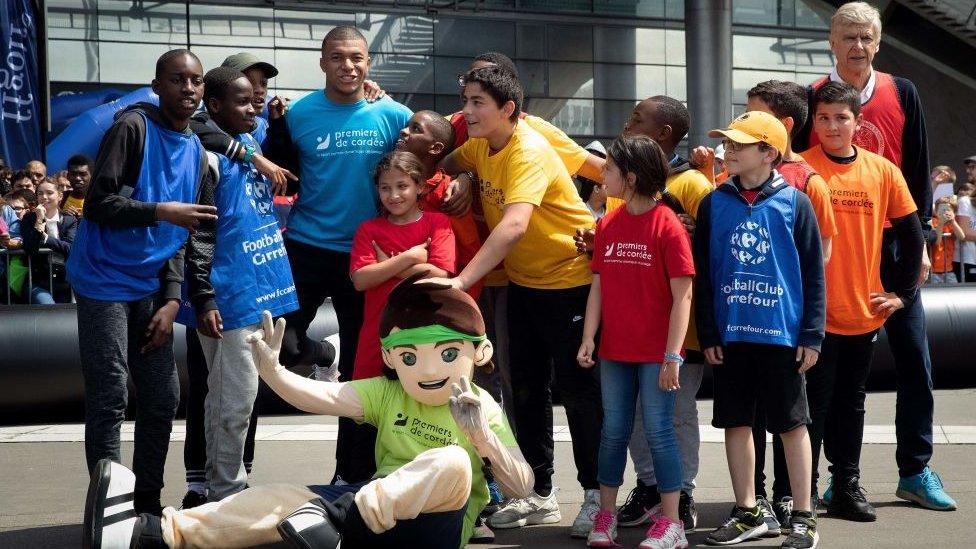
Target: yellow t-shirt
pixel 529 170
pixel 569 151
pixel 689 188
pixel 73 202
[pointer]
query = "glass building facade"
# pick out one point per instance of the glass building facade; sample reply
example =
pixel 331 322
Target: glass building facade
pixel 583 63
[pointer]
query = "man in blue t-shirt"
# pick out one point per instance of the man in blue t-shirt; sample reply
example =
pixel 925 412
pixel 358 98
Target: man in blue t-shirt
pixel 333 140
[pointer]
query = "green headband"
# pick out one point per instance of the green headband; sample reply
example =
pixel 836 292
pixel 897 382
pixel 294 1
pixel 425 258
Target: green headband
pixel 435 333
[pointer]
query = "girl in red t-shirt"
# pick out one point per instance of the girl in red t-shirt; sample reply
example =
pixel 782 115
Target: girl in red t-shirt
pixel 641 291
pixel 403 241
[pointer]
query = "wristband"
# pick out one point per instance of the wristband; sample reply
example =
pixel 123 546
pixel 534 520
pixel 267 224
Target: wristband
pixel 248 153
pixel 673 357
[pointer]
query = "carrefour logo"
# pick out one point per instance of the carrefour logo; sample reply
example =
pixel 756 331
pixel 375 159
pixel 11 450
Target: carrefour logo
pixel 750 243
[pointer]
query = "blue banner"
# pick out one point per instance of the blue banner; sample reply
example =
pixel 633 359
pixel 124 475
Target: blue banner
pixel 20 126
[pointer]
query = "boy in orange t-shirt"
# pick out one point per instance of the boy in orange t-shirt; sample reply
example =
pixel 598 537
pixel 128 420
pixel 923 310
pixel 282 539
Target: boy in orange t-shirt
pixel 865 189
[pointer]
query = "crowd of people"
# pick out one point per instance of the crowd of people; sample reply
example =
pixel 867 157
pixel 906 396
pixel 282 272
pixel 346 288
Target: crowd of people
pixel 774 259
pixel 40 216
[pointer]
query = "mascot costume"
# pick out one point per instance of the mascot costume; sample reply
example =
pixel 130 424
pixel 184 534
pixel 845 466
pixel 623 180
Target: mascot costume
pixel 435 428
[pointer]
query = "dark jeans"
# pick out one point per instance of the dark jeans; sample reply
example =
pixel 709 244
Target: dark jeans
pixel 195 448
pixel 110 335
pixel 545 329
pixel 321 274
pixel 914 403
pixel 835 391
pixel 428 530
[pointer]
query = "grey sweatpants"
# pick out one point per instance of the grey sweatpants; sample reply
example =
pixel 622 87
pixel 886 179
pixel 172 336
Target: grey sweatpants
pixel 685 427
pixel 232 387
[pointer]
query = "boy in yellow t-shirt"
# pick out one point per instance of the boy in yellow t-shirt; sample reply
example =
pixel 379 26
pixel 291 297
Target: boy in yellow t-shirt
pixel 80 174
pixel 533 209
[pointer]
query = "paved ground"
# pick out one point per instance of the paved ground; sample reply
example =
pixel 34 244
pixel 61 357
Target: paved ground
pixel 42 484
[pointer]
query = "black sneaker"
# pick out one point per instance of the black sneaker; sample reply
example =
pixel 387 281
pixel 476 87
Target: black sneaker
pixel 636 511
pixel 147 502
pixel 743 525
pixel 687 512
pixel 849 502
pixel 803 532
pixel 784 510
pixel 773 524
pixel 193 499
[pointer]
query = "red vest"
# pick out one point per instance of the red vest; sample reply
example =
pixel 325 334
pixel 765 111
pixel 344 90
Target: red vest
pixel 882 120
pixel 797 174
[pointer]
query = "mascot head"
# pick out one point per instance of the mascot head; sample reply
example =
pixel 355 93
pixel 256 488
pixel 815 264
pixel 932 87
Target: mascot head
pixel 432 335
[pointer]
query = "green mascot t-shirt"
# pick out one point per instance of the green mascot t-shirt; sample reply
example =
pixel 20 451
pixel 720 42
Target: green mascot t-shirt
pixel 406 428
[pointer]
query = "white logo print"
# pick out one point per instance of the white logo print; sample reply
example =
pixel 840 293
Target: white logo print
pixel 750 243
pixel 609 251
pixel 323 143
pixel 577 318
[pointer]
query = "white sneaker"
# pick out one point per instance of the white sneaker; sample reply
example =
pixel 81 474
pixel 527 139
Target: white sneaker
pixel 110 518
pixel 665 534
pixel 527 511
pixel 587 514
pixel 329 372
pixel 604 532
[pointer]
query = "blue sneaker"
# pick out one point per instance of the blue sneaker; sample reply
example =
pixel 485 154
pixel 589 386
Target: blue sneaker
pixel 495 499
pixel 926 490
pixel 829 492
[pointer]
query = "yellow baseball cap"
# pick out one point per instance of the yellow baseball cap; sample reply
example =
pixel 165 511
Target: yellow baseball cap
pixel 755 127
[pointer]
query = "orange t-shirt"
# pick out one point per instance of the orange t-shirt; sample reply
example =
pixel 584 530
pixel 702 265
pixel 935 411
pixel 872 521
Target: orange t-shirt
pixel 863 194
pixel 943 250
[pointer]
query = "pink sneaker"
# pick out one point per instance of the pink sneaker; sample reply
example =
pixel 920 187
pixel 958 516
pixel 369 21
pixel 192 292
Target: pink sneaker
pixel 665 534
pixel 604 532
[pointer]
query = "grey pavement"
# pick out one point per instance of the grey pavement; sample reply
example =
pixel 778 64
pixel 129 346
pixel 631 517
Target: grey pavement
pixel 42 487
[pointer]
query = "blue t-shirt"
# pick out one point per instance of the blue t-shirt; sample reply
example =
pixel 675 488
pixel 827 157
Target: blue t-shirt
pixel 260 131
pixel 339 146
pixel 250 270
pixel 12 221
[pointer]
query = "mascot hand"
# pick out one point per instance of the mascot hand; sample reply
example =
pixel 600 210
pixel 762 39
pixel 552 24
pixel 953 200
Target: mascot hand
pixel 467 412
pixel 266 344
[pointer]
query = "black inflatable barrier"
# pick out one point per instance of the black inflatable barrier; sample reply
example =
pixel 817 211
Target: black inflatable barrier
pixel 41 381
pixel 40 372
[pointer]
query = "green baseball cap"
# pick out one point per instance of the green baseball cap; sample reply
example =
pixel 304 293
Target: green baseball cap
pixel 244 60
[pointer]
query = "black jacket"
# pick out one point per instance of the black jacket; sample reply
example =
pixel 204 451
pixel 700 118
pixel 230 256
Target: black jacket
pixel 60 247
pixel 116 173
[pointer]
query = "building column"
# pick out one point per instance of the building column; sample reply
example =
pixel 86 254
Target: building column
pixel 708 43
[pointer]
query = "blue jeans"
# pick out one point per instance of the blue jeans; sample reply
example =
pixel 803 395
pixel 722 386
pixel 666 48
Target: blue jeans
pixel 621 384
pixel 40 296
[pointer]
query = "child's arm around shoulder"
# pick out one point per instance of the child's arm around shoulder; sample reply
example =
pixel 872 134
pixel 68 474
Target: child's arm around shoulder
pixel 317 397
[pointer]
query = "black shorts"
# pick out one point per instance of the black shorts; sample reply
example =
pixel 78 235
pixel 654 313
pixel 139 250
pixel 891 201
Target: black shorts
pixel 752 371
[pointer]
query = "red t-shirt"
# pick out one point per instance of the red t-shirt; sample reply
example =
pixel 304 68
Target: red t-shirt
pixel 393 238
pixel 636 256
